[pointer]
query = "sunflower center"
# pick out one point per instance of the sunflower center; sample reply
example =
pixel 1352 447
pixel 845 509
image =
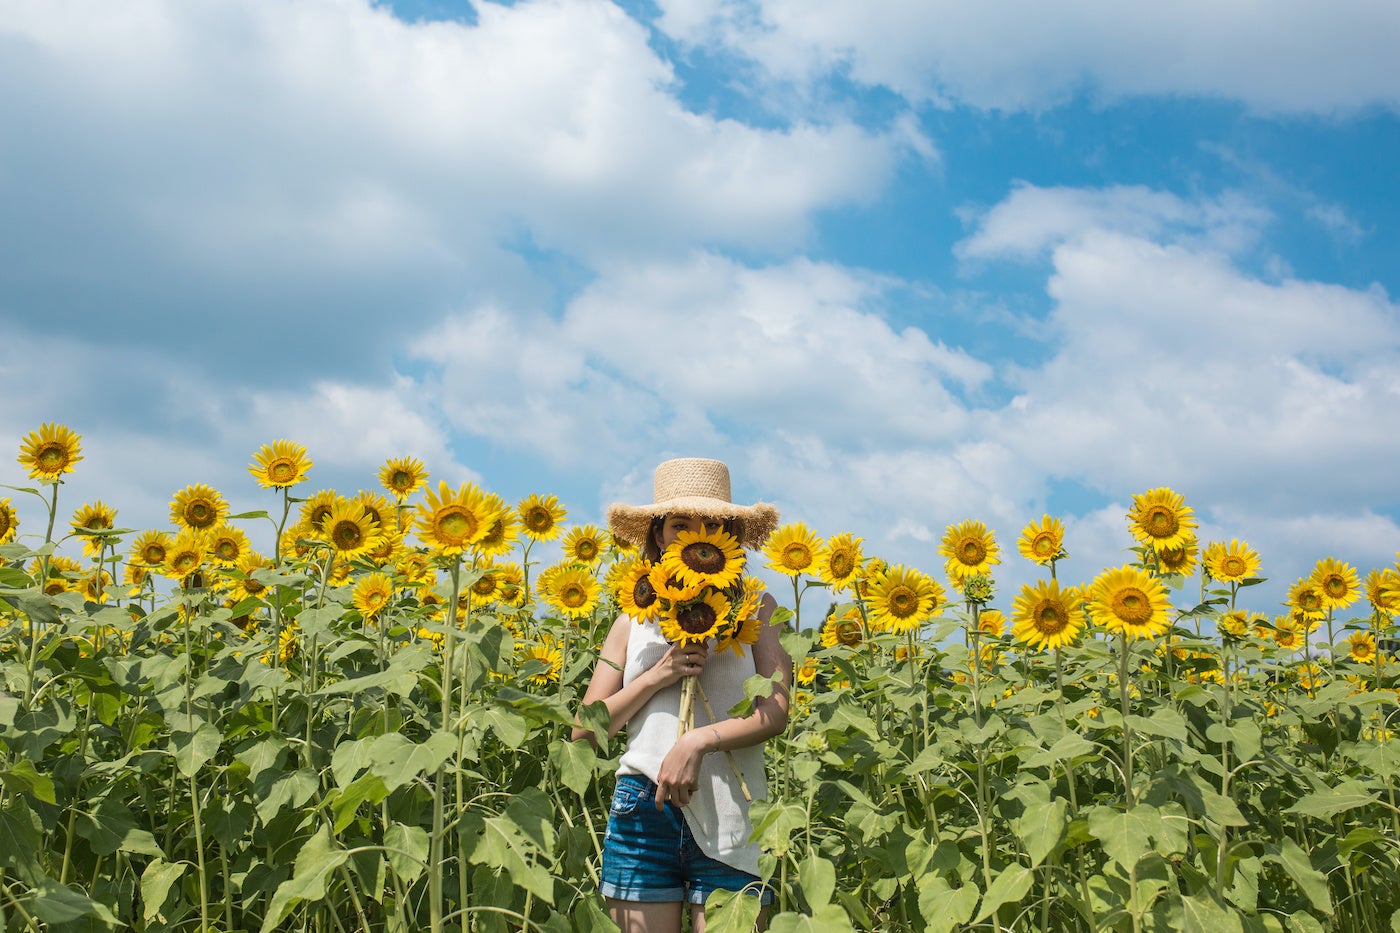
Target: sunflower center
pixel 1044 546
pixel 703 557
pixel 51 457
pixel 485 586
pixel 643 594
pixel 848 632
pixel 1232 566
pixel 1132 606
pixel 199 514
pixel 586 549
pixel 903 602
pixel 972 552
pixel 1334 586
pixel 5 521
pixel 318 517
pixel 1050 618
pixel 401 480
pixel 186 562
pixel 843 564
pixel 226 549
pixel 281 471
pixel 455 524
pixel 696 619
pixel 796 555
pixel 153 554
pixel 252 587
pixel 347 535
pixel 573 596
pixel 1309 601
pixel 1160 522
pixel 539 520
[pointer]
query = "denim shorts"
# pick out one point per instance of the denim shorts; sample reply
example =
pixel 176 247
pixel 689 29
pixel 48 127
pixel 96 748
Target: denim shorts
pixel 650 855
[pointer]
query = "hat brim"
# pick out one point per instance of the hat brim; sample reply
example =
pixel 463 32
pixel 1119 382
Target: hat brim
pixel 754 522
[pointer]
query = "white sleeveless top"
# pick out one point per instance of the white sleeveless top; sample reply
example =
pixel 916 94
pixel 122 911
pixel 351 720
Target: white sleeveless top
pixel 718 815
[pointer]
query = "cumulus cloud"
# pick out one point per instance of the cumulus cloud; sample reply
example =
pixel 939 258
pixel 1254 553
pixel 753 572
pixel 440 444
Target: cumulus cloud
pixel 1288 57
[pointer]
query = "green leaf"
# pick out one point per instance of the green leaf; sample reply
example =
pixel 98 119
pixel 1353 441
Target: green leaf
pixel 499 842
pixel 1011 885
pixel 731 912
pixel 368 788
pixel 1125 834
pixel 20 840
pixel 944 907
pixel 1165 722
pixel 1041 828
pixel 398 760
pixel 155 886
pixel 316 860
pixel 288 791
pixel 1324 804
pixel 260 513
pixel 830 919
pixel 818 879
pixel 192 750
pixel 408 851
pixel 1202 913
pixel 589 917
pixel 1300 868
pixel 574 762
pixel 25 778
pixel 56 903
pixel 1358 837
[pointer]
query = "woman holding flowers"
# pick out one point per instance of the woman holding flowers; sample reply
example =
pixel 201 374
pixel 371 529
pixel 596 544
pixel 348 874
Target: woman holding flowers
pixel 693 627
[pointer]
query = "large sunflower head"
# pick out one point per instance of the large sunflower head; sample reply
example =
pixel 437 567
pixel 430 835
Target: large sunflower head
pixel 792 549
pixel 314 511
pixel 499 539
pixel 1305 597
pixel 585 544
pixel 510 585
pixel 704 558
pixel 843 627
pixel 839 560
pixel 50 452
pixel 9 521
pixel 1234 624
pixel 227 544
pixel 372 594
pixel 150 547
pixel 991 622
pixel 185 555
pixel 636 595
pixel 540 517
pixel 280 465
pixel 198 507
pixel 1179 560
pixel 902 599
pixel 1289 633
pixel 1337 582
pixel 486 587
pixel 692 621
pixel 89 521
pixel 670 587
pixel 541 661
pixel 1160 518
pixel 573 591
pixel 1362 647
pixel 380 509
pixel 1045 616
pixel 1230 563
pixel 970 549
pixel 1042 542
pixel 403 476
pixel 1383 590
pixel 349 529
pixel 450 521
pixel 1131 601
pixel 249 562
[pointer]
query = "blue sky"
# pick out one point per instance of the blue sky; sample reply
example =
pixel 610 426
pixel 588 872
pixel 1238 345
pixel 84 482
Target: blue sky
pixel 899 263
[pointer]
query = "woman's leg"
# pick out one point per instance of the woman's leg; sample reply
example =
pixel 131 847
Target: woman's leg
pixel 648 917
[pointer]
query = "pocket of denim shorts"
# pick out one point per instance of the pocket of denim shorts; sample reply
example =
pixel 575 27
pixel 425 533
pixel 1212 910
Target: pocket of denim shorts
pixel 628 796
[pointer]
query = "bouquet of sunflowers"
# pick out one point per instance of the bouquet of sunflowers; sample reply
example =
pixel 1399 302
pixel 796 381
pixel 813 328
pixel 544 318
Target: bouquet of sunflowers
pixel 697 593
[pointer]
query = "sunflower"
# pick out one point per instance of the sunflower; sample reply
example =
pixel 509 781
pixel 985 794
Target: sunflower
pixel 792 549
pixel 1288 633
pixel 970 549
pixel 1234 623
pixel 185 555
pixel 635 593
pixel 89 521
pixel 449 521
pixel 499 539
pixel 227 544
pixel 50 452
pixel 403 476
pixel 1131 601
pixel 9 521
pixel 315 510
pixel 279 465
pixel 669 587
pixel 1306 597
pixel 372 594
pixel 134 579
pixel 150 547
pixel 94 585
pixel 1383 590
pixel 843 628
pixel 903 599
pixel 704 558
pixel 198 507
pixel 1160 518
pixel 573 591
pixel 1042 541
pixel 585 544
pixel 1230 563
pixel 510 585
pixel 1179 560
pixel 838 561
pixel 869 572
pixel 1363 647
pixel 384 512
pixel 387 549
pixel 991 622
pixel 350 530
pixel 747 625
pixel 414 567
pixel 696 620
pixel 63 571
pixel 540 517
pixel 1337 582
pixel 244 584
pixel 1045 616
pixel 546 658
pixel 487 585
pixel 807 671
pixel 1310 676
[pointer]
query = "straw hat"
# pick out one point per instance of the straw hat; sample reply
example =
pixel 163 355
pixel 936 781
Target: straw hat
pixel 695 486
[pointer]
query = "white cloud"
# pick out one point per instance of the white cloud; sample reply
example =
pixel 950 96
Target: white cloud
pixel 1290 56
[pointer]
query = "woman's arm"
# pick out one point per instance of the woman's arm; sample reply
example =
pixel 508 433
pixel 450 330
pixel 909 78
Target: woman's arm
pixel 623 701
pixel 680 769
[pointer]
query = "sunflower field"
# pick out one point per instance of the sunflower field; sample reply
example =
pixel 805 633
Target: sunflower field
pixel 351 712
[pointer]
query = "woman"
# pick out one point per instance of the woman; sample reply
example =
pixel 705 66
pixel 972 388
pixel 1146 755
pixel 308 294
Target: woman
pixel 679 823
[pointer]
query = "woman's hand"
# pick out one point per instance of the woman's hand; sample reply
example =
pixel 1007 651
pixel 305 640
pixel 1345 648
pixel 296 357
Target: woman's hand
pixel 681 661
pixel 679 776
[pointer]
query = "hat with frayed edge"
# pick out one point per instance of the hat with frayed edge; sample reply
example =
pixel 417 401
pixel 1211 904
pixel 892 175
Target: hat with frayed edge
pixel 693 486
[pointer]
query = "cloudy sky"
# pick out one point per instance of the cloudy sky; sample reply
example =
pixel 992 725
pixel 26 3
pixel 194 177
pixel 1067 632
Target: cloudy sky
pixel 899 262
